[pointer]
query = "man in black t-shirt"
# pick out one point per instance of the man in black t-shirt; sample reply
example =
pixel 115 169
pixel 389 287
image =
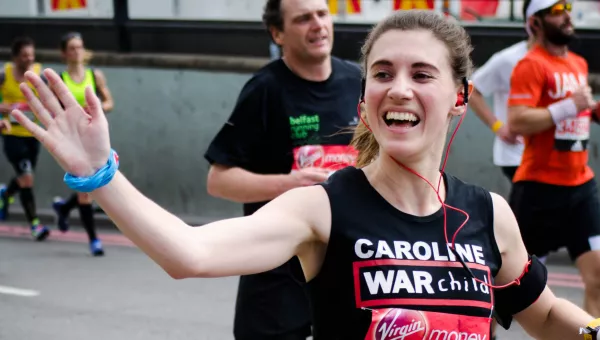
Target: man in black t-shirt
pixel 286 131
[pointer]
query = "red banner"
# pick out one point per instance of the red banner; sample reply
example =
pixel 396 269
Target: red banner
pixel 470 9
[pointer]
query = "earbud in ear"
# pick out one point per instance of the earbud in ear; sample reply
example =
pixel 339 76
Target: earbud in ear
pixel 461 99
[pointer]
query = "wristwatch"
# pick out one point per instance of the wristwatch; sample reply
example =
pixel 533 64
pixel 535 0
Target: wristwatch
pixel 590 332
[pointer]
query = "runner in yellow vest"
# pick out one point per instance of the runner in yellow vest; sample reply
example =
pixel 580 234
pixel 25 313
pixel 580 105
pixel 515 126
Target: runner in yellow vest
pixel 20 147
pixel 77 77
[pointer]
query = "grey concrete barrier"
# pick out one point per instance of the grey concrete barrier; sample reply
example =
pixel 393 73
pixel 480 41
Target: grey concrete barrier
pixel 167 110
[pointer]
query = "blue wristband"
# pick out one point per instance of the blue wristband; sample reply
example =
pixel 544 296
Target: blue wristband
pixel 98 180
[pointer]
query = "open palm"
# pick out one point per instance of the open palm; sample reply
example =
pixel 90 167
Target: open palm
pixel 78 140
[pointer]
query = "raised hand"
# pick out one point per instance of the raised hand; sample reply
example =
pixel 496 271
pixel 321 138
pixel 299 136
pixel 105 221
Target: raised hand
pixel 78 140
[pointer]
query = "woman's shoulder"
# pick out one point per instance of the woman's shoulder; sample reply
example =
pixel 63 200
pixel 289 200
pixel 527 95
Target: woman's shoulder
pixel 477 192
pixel 467 190
pixel 344 177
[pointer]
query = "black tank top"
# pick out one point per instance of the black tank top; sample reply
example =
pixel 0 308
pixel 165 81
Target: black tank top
pixel 387 275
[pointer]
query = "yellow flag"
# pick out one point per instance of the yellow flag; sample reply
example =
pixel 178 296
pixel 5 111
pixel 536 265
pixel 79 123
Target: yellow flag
pixel 62 5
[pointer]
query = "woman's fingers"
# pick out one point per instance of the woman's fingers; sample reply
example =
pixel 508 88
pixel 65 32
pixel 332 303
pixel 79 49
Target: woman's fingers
pixel 36 106
pixel 47 97
pixel 93 103
pixel 37 131
pixel 60 89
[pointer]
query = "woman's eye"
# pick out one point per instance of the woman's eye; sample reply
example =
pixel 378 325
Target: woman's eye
pixel 381 75
pixel 422 76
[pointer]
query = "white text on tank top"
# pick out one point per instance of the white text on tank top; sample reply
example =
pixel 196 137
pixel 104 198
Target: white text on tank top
pixel 391 274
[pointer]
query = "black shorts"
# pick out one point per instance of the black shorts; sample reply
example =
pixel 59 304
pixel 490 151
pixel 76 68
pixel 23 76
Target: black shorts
pixel 509 172
pixel 22 153
pixel 551 217
pixel 273 305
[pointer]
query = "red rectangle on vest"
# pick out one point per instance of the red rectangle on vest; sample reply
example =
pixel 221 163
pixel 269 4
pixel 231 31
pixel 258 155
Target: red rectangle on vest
pixel 331 157
pixel 387 283
pixel 403 324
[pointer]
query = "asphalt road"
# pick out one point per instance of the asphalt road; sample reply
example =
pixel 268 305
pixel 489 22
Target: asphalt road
pixel 56 290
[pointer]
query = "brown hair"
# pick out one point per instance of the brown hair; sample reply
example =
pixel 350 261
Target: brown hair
pixel 18 44
pixel 446 30
pixel 272 16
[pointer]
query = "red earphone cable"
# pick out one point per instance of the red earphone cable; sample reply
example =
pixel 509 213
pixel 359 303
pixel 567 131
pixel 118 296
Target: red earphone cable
pixel 444 205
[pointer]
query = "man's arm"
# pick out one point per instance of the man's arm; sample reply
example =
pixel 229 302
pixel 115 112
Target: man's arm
pixel 486 81
pixel 238 145
pixel 481 108
pixel 242 186
pixel 527 120
pixel 525 115
pixel 527 84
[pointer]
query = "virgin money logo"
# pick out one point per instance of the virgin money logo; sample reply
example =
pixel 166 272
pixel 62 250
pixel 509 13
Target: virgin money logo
pixel 401 324
pixel 310 156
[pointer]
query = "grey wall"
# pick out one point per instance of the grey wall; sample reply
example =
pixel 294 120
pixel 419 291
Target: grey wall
pixel 164 120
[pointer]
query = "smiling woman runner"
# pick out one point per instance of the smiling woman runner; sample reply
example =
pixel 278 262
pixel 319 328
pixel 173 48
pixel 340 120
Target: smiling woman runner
pixel 370 238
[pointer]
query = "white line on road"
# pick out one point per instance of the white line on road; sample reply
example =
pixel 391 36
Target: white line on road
pixel 18 291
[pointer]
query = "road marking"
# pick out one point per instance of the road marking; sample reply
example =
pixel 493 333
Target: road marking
pixel 18 291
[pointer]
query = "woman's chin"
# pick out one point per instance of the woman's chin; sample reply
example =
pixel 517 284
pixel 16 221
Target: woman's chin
pixel 402 150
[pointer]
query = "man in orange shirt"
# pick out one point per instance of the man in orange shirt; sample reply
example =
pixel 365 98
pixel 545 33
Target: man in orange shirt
pixel 554 196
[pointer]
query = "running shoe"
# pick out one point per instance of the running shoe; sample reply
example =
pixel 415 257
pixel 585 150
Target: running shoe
pixel 4 203
pixel 39 232
pixel 62 220
pixel 96 248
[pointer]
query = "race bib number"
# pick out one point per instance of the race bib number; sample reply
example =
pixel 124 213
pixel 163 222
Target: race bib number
pixel 573 134
pixel 331 157
pixel 404 324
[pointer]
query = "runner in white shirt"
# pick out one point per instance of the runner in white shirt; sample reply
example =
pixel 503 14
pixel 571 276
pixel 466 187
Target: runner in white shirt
pixel 493 78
